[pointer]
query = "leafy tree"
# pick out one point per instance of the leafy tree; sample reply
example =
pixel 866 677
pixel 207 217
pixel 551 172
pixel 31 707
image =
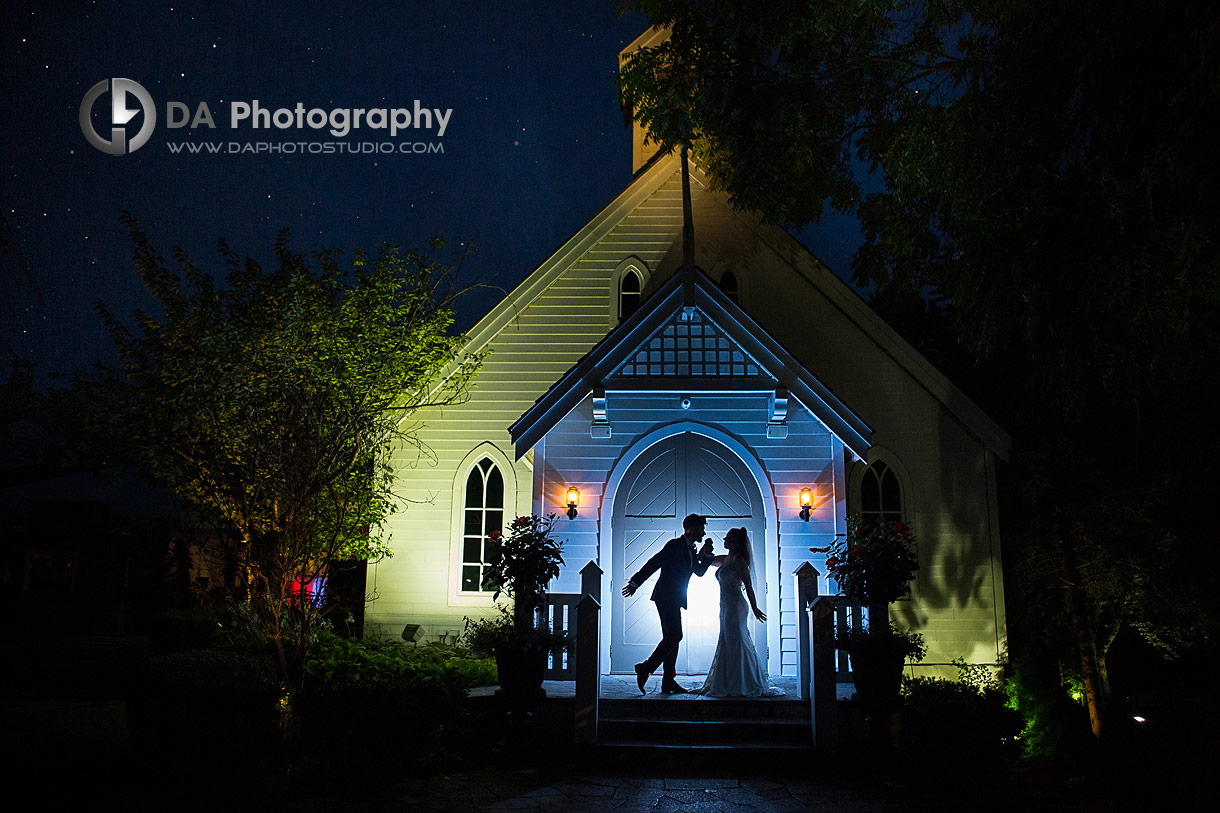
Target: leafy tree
pixel 1047 171
pixel 273 401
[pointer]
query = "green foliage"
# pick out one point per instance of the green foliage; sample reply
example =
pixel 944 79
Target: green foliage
pixel 875 563
pixel 484 636
pixel 271 401
pixel 1053 720
pixel 185 629
pixel 522 564
pixel 212 668
pixel 218 710
pixel 772 102
pixel 495 635
pixel 864 642
pixel 978 676
pixel 333 660
pixel 1042 168
pixel 965 719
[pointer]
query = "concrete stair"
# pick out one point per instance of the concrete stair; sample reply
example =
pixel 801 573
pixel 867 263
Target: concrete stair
pixel 704 724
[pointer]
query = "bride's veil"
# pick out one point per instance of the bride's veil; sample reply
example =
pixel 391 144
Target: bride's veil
pixel 760 591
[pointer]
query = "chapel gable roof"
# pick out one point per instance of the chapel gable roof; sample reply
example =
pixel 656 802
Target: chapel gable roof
pixel 647 181
pixel 744 356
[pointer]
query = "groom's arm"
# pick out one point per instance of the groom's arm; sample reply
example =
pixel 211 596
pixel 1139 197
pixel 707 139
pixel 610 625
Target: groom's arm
pixel 651 566
pixel 705 557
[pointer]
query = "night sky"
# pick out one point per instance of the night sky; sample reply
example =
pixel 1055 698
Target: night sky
pixel 534 147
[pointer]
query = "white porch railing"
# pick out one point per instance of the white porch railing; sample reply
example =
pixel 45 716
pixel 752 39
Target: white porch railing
pixel 823 620
pixel 579 616
pixel 559 616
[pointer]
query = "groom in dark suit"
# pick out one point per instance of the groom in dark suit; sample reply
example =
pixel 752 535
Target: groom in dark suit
pixel 676 561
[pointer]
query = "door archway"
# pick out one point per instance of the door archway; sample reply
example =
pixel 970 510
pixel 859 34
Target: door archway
pixel 681 474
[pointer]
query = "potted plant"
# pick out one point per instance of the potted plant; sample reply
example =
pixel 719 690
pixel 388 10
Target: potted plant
pixel 877 658
pixel 521 566
pixel 873 566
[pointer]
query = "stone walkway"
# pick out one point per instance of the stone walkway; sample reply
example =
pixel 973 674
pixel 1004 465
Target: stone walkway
pixel 530 789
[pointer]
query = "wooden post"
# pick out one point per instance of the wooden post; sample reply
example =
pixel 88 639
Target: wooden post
pixel 588 673
pixel 806 579
pixel 591 581
pixel 824 699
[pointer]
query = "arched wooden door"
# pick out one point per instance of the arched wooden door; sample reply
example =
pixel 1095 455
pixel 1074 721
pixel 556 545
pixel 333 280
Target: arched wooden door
pixel 684 474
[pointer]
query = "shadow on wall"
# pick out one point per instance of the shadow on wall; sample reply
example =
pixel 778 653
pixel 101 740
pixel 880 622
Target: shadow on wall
pixel 956 568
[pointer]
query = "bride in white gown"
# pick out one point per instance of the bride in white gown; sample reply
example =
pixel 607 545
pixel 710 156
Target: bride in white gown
pixel 736 670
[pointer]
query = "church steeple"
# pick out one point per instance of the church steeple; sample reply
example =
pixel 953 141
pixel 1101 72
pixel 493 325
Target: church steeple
pixel 641 153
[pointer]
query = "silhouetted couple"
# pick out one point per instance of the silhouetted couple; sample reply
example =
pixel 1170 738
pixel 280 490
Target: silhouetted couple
pixel 736 670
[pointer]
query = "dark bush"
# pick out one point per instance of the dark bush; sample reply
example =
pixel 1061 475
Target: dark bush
pixel 381 705
pixel 366 706
pixel 959 720
pixel 207 709
pixel 334 659
pixel 1053 724
pixel 185 629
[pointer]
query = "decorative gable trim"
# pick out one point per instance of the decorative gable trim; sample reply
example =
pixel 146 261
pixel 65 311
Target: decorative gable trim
pixel 816 396
pixel 688 346
pixel 683 293
pixel 587 373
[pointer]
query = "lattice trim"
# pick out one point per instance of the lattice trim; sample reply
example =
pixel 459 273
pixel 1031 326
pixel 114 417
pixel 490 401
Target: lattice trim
pixel 691 347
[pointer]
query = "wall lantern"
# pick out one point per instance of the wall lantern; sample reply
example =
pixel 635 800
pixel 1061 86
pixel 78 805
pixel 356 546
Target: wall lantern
pixel 573 501
pixel 806 503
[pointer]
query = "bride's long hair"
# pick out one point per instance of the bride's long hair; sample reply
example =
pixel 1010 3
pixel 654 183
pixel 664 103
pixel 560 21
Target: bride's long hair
pixel 741 544
pixel 737 540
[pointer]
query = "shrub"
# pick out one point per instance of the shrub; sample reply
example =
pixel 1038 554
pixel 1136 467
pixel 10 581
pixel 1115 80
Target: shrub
pixel 185 629
pixel 206 708
pixel 967 719
pixel 373 704
pixel 336 660
pixel 483 636
pixel 1054 723
pixel 365 703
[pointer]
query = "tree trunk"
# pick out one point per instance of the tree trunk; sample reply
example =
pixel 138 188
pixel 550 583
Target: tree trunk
pixel 1078 609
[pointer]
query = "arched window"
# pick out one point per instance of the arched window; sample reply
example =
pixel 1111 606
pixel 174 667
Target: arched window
pixel 483 513
pixel 880 494
pixel 628 294
pixel 728 284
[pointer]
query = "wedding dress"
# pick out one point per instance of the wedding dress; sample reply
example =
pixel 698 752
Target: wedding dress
pixel 735 670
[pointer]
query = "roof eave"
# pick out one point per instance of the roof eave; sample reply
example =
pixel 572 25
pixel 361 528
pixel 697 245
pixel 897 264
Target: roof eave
pixel 599 362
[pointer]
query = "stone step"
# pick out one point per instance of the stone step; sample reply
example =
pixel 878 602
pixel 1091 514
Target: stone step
pixel 744 733
pixel 767 759
pixel 688 708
